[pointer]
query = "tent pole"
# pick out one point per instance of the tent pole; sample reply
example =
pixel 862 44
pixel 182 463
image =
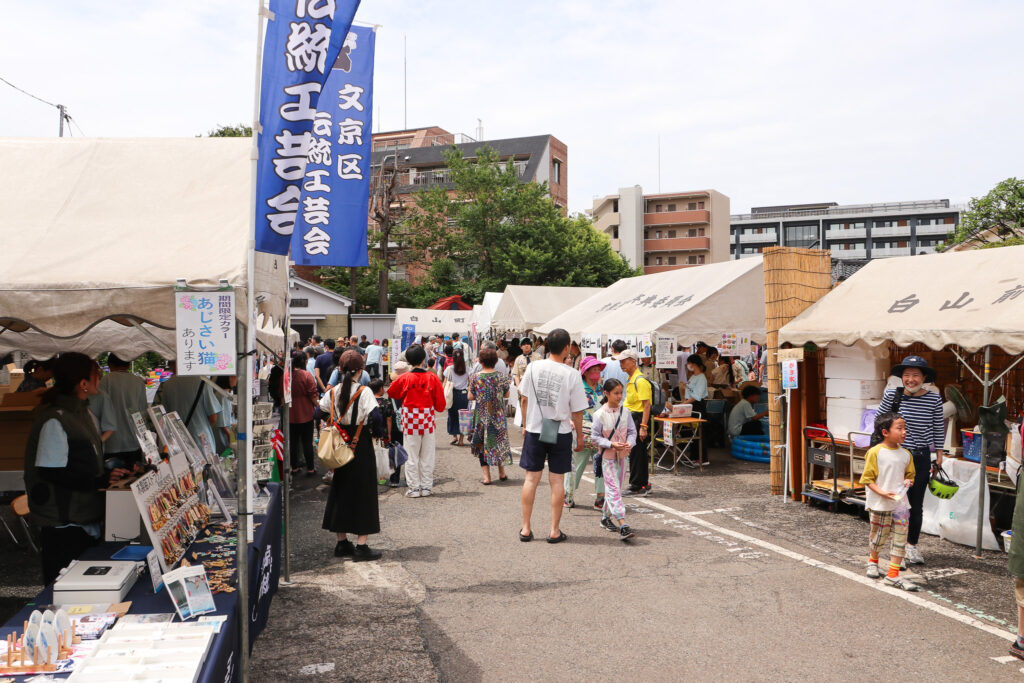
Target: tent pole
pixel 241 496
pixel 986 386
pixel 286 461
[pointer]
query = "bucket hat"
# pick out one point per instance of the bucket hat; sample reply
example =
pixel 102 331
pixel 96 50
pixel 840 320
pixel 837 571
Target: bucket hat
pixel 914 362
pixel 589 362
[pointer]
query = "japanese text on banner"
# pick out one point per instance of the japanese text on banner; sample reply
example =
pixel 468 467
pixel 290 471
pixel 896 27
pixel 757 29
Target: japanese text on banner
pixel 330 229
pixel 204 332
pixel 303 40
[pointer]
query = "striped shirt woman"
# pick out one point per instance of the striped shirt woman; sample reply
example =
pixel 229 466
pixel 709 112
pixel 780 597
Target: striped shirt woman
pixel 923 415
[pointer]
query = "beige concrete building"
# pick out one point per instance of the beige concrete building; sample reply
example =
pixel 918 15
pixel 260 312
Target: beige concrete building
pixel 665 231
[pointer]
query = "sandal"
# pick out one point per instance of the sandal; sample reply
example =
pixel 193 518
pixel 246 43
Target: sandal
pixel 505 478
pixel 558 539
pixel 487 483
pixel 527 538
pixel 453 442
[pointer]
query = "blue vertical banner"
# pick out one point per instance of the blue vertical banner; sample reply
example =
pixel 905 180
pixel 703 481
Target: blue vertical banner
pixel 331 226
pixel 408 336
pixel 303 41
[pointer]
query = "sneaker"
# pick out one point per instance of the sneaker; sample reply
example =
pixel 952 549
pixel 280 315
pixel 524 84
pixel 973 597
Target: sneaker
pixel 364 553
pixel 1016 650
pixel 901 583
pixel 913 555
pixel 599 504
pixel 424 493
pixel 567 502
pixel 630 492
pixel 412 493
pixel 706 463
pixel 344 549
pixel 328 477
pixel 625 533
pixel 608 525
pixel 645 491
pixel 872 571
pixel 393 484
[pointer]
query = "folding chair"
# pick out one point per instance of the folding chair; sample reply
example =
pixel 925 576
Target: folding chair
pixel 19 506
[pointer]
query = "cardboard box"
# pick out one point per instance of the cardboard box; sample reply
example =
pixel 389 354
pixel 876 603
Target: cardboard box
pixel 857 368
pixel 855 388
pixel 858 350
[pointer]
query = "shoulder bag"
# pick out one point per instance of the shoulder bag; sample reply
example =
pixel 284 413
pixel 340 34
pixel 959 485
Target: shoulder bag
pixel 449 393
pixel 548 426
pixel 334 449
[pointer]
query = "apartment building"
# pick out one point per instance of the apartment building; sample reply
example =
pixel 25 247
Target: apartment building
pixel 416 157
pixel 852 231
pixel 665 231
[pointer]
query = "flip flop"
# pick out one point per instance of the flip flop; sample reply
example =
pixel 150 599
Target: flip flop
pixel 527 538
pixel 561 537
pixel 502 478
pixel 487 483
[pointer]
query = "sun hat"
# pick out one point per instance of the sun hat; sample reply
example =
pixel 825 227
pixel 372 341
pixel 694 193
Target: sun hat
pixel 401 367
pixel 629 353
pixel 914 362
pixel 589 362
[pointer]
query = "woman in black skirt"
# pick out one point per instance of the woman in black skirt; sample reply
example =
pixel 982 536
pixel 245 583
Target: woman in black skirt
pixel 352 501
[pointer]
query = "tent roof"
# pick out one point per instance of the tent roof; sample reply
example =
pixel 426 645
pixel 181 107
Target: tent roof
pixel 694 304
pixel 523 308
pixel 491 302
pixel 431 321
pixel 103 228
pixel 450 303
pixel 126 342
pixel 970 299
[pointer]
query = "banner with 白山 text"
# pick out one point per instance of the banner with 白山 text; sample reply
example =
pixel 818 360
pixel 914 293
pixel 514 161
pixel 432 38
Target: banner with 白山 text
pixel 303 41
pixel 331 226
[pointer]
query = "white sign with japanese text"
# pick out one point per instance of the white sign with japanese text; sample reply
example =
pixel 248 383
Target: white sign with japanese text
pixel 665 352
pixel 590 344
pixel 204 332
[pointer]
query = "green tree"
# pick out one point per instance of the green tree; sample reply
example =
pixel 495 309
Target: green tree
pixel 490 230
pixel 995 220
pixel 239 131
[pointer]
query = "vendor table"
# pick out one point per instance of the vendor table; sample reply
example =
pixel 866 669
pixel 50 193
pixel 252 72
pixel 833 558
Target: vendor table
pixel 264 569
pixel 686 433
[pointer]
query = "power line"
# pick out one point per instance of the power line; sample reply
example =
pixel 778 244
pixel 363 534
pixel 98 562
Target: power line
pixel 26 92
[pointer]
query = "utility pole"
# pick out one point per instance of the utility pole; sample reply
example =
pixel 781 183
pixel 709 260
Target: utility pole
pixel 405 84
pixel 61 111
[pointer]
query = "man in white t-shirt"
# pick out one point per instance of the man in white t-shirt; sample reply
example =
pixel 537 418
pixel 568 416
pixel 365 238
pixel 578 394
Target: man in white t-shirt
pixel 550 390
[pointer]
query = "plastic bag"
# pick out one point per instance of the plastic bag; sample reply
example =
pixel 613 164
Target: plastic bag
pixel 383 466
pixel 956 519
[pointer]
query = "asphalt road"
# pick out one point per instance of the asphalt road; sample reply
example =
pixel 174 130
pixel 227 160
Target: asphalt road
pixel 722 582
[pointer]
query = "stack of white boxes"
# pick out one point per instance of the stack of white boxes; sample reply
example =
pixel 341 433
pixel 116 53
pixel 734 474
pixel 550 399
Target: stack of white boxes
pixel 855 379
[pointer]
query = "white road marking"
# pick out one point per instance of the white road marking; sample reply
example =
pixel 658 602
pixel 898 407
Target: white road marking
pixel 943 573
pixel 315 669
pixel 838 571
pixel 1006 659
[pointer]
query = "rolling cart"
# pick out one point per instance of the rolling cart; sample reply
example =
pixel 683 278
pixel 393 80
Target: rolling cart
pixel 821 452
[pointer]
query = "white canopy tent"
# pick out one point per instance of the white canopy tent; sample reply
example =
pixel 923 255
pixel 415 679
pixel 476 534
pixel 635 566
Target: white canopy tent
pixel 431 321
pixel 126 342
pixel 525 308
pixel 694 304
pixel 969 299
pixel 99 229
pixel 484 313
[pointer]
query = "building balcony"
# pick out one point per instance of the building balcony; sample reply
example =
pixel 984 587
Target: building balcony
pixel 943 229
pixel 648 270
pixel 678 244
pixel 616 244
pixel 879 252
pixel 746 255
pixel 677 217
pixel 759 237
pixel 849 254
pixel 846 233
pixel 607 221
pixel 926 250
pixel 896 231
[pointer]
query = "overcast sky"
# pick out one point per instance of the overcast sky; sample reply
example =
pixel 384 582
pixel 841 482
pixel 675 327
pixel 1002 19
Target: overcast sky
pixel 769 103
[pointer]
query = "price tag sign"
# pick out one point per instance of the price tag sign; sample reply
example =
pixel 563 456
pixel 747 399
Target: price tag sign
pixel 156 574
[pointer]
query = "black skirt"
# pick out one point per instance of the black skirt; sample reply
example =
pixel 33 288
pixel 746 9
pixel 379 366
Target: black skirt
pixel 352 501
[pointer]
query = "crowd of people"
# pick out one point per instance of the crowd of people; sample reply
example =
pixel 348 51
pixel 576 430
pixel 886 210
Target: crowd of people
pixel 576 413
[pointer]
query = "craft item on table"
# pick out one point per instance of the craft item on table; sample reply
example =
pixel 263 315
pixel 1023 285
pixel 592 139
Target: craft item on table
pixel 43 647
pixel 162 618
pixel 92 626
